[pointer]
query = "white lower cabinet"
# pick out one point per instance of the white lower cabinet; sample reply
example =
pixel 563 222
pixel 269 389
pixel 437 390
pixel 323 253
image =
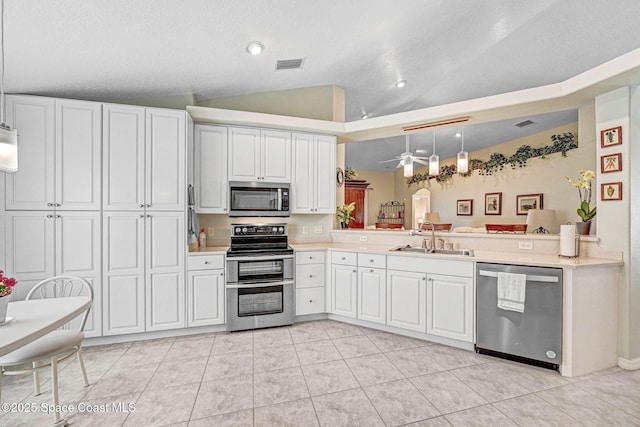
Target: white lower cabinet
pixel 310 287
pixel 205 293
pixel 450 306
pixel 344 283
pixel 372 294
pixel 406 300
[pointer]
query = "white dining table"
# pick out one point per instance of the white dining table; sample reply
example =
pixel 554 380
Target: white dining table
pixel 35 318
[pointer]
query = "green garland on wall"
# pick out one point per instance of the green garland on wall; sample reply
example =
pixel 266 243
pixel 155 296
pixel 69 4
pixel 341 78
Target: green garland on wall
pixel 497 161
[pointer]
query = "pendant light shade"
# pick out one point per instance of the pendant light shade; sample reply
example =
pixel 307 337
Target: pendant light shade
pixel 434 159
pixel 8 149
pixel 8 136
pixel 463 157
pixel 408 169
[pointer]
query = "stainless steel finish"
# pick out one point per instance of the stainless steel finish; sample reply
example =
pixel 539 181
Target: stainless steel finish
pixel 420 250
pixel 534 336
pixel 235 322
pixel 254 191
pixel 260 285
pixel 262 257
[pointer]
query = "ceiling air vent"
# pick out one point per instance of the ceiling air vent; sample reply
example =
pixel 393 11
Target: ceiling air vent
pixel 289 64
pixel 524 123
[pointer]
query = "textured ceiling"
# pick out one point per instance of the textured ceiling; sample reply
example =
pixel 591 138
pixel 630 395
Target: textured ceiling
pixel 447 50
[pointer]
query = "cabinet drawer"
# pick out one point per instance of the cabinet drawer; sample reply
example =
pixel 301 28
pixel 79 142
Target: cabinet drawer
pixel 205 262
pixel 315 257
pixel 372 260
pixel 345 258
pixel 309 301
pixel 309 275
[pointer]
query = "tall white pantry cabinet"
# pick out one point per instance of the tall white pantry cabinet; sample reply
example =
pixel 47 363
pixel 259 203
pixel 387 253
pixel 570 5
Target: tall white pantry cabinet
pixel 100 194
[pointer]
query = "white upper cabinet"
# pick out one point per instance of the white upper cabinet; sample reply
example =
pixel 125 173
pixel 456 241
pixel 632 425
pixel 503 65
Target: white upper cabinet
pixel 166 151
pixel 313 183
pixel 78 155
pixel 259 155
pixel 123 157
pixel 59 152
pixel 144 158
pixel 210 169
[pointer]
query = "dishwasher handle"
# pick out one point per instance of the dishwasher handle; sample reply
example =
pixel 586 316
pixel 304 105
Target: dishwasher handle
pixel 530 277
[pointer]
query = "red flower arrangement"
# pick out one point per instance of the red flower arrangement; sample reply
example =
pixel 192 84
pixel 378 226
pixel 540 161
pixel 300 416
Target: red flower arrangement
pixel 6 284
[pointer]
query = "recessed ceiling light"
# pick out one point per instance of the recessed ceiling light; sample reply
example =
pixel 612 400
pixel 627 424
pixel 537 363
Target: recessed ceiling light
pixel 255 47
pixel 401 83
pixel 458 134
pixel 364 116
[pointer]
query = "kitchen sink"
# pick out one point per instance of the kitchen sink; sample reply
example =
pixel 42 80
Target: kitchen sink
pixel 419 250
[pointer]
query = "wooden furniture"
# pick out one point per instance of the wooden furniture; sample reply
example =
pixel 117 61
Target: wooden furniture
pixel 356 191
pixel 391 214
pixel 506 228
pixel 385 225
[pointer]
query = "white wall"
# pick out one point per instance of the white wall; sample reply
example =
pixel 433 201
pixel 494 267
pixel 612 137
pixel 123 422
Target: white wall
pixel 380 191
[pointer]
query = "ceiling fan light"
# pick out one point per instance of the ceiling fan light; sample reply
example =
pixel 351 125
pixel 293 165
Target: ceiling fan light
pixel 434 165
pixel 463 162
pixel 401 83
pixel 408 170
pixel 8 149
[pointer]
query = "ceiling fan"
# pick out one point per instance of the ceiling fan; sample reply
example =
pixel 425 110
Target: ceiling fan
pixel 406 159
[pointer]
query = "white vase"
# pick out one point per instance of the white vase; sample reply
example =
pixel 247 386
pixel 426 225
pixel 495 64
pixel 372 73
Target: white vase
pixel 4 303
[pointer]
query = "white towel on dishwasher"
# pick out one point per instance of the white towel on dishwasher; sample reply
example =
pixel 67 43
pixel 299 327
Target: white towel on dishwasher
pixel 512 288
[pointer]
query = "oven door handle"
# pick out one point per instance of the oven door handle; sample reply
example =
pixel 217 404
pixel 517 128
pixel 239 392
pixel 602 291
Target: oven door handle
pixel 259 285
pixel 259 258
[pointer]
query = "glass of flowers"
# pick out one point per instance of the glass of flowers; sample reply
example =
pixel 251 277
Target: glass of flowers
pixel 584 192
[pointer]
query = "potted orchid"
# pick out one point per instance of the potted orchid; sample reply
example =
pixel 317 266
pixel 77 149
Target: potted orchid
pixel 584 192
pixel 6 286
pixel 343 212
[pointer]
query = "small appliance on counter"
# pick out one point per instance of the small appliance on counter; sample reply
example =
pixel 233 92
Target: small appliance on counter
pixel 260 277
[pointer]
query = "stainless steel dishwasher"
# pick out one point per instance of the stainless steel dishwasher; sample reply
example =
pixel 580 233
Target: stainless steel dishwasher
pixel 534 336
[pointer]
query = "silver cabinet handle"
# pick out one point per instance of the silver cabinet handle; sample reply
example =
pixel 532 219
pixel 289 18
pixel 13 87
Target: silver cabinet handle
pixel 311 276
pixel 310 257
pixel 370 260
pixel 371 271
pixel 424 278
pixel 343 258
pixel 222 274
pixel 149 205
pixel 49 216
pixel 141 205
pixel 207 262
pixel 58 204
pixel 49 204
pixel 355 271
pixel 310 300
pixel 58 216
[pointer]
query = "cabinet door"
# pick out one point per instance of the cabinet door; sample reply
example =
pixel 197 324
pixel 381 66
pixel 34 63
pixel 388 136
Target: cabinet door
pixel 302 181
pixel 166 153
pixel 372 294
pixel 30 247
pixel 123 279
pixel 276 156
pixel 450 303
pixel 205 298
pixel 165 266
pixel 78 155
pixel 406 300
pixel 210 167
pixel 344 281
pixel 123 157
pixel 78 253
pixel 244 154
pixel 32 187
pixel 324 174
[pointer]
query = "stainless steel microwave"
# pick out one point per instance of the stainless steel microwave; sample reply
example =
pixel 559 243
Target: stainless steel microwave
pixel 258 199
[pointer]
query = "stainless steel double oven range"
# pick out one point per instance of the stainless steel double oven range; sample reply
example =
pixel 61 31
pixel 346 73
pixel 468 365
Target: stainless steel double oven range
pixel 260 281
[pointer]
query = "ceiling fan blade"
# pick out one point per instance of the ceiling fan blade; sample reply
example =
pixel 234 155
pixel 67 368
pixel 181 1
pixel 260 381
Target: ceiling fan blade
pixel 417 160
pixel 399 165
pixel 387 161
pixel 421 158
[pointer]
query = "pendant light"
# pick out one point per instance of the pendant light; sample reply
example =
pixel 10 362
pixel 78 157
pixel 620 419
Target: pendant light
pixel 463 156
pixel 408 168
pixel 8 137
pixel 434 159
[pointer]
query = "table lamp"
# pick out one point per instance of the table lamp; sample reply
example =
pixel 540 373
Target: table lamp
pixel 433 217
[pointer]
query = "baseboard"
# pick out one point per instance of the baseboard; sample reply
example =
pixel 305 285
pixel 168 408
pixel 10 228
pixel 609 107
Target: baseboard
pixel 629 365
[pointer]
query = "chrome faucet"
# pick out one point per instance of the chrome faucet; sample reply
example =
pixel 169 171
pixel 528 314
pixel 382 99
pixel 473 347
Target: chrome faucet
pixel 433 236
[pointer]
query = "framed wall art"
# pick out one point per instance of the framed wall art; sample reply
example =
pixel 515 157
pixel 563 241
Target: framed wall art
pixel 611 163
pixel 610 137
pixel 493 204
pixel 611 191
pixel 465 207
pixel 524 202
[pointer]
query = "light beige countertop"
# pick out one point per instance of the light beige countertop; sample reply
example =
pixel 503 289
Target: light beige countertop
pixel 542 260
pixel 209 250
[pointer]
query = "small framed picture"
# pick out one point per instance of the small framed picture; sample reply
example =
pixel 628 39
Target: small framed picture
pixel 465 207
pixel 524 202
pixel 609 137
pixel 611 191
pixel 493 204
pixel 611 163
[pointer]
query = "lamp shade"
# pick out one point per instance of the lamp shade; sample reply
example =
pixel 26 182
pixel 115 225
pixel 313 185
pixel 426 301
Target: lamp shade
pixel 434 165
pixel 8 150
pixel 408 169
pixel 463 162
pixel 541 221
pixel 433 217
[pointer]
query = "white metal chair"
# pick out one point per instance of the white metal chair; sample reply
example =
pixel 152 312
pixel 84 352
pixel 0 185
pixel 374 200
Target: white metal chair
pixel 56 346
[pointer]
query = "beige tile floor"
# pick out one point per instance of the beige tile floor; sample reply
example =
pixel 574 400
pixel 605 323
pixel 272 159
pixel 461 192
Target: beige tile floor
pixel 319 373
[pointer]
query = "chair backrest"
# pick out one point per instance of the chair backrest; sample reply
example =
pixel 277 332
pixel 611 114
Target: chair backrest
pixel 62 287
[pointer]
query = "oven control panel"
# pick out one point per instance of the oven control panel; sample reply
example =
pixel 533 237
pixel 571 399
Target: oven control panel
pixel 258 230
